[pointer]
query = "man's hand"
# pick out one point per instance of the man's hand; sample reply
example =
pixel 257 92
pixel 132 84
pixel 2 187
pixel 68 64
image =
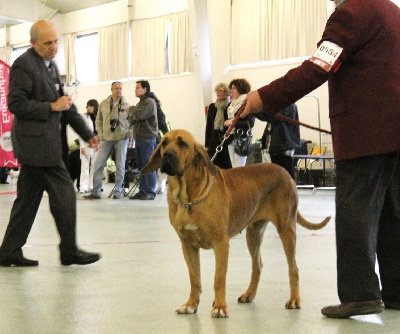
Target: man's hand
pixel 83 150
pixel 61 104
pixel 252 104
pixel 94 142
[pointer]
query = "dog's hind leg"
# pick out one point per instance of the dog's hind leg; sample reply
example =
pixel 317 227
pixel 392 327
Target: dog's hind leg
pixel 221 251
pixel 288 237
pixel 254 238
pixel 192 258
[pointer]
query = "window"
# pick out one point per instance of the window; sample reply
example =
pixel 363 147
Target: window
pixel 15 53
pixel 86 57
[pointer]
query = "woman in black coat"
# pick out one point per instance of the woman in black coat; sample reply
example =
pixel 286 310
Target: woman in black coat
pixel 215 129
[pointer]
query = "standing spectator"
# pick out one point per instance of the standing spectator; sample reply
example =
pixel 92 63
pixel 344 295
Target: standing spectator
pixel 239 89
pixel 281 138
pixel 215 128
pixel 88 154
pixel 162 124
pixel 37 101
pixel 163 128
pixel 145 132
pixel 359 56
pixel 112 126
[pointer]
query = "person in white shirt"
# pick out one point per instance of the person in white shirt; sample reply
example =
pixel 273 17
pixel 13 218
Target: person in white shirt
pixel 239 89
pixel 88 154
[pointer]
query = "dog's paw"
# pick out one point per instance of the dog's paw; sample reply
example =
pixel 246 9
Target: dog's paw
pixel 246 298
pixel 219 312
pixel 186 309
pixel 293 304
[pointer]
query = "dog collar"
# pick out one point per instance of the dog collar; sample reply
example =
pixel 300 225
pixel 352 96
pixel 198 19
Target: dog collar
pixel 190 204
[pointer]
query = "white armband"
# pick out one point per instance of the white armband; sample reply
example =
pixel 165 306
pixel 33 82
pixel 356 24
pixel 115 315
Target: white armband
pixel 326 55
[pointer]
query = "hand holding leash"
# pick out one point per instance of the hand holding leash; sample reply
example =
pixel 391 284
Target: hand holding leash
pixel 228 132
pixel 251 104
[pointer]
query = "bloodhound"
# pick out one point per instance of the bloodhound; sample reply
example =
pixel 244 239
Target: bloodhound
pixel 209 205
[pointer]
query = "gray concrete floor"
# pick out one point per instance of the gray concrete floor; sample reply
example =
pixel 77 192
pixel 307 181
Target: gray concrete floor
pixel 142 277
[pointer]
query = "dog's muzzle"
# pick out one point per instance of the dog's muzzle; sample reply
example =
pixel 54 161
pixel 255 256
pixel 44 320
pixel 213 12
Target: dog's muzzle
pixel 170 164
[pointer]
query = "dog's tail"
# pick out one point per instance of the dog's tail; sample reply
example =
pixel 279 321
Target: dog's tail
pixel 303 222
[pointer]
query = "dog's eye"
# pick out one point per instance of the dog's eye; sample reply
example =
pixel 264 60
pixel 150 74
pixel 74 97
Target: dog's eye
pixel 164 142
pixel 182 143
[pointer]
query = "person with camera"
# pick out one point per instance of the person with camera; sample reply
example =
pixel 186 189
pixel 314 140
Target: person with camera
pixel 112 126
pixel 145 131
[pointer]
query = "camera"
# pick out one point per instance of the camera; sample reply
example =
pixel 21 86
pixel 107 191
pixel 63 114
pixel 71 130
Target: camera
pixel 113 123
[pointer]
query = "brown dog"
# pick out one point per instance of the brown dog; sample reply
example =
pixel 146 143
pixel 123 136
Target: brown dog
pixel 209 205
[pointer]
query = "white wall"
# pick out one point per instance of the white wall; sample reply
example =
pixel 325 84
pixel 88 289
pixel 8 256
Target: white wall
pixel 262 75
pixel 183 97
pixel 175 93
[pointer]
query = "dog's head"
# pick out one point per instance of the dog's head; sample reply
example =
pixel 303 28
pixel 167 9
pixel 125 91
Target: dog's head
pixel 177 152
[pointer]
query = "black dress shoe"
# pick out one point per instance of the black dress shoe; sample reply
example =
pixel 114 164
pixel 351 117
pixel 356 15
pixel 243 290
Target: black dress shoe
pixel 137 196
pixel 147 197
pixel 81 257
pixel 392 305
pixel 18 261
pixel 91 197
pixel 347 310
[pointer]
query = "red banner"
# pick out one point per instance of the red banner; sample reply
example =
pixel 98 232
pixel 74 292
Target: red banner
pixel 7 158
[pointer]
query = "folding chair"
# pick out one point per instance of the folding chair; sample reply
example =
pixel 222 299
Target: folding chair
pixel 131 174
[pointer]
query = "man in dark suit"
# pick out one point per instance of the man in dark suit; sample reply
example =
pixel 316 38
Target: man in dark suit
pixel 359 56
pixel 39 104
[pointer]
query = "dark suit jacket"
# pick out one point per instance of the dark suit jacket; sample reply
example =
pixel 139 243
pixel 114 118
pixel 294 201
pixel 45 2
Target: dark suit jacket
pixel 364 93
pixel 36 134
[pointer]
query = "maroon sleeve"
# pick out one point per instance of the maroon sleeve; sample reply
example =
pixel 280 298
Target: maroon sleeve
pixel 293 86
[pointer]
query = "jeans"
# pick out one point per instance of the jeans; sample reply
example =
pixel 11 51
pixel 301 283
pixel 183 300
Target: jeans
pixel 144 150
pixel 106 148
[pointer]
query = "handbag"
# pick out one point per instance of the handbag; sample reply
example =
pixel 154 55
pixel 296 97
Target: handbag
pixel 243 142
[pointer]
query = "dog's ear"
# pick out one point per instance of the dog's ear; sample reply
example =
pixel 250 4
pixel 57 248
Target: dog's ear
pixel 154 162
pixel 202 159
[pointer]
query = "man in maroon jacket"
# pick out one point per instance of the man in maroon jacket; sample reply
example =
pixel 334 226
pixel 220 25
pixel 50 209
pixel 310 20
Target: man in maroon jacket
pixel 359 56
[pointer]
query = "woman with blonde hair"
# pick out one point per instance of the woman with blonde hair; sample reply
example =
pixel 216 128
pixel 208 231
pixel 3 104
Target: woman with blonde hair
pixel 215 128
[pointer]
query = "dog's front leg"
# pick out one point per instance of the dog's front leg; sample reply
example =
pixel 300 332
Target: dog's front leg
pixel 192 258
pixel 221 250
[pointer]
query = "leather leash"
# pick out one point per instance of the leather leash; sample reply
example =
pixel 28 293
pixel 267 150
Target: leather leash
pixel 277 115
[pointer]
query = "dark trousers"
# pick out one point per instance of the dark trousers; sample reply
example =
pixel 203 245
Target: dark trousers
pixel 32 182
pixel 368 228
pixel 285 161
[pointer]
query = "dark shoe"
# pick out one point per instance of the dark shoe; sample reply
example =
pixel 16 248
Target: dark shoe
pixel 392 305
pixel 147 197
pixel 347 310
pixel 116 195
pixel 81 257
pixel 18 262
pixel 91 196
pixel 137 196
